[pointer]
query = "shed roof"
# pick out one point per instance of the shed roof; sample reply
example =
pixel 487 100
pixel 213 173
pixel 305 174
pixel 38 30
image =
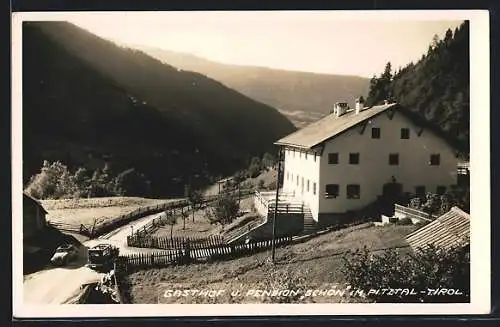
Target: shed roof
pixel 31 199
pixel 330 126
pixel 450 229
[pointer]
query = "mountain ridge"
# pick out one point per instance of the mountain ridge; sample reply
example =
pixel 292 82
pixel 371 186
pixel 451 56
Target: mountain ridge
pixel 302 96
pixel 84 94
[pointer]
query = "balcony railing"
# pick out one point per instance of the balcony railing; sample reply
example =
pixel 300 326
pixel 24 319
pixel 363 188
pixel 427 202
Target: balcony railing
pixel 265 203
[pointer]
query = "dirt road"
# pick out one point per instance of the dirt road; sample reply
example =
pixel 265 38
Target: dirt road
pixel 57 285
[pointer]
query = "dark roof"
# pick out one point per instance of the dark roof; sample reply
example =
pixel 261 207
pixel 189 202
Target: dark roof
pixel 330 126
pixel 34 201
pixel 448 230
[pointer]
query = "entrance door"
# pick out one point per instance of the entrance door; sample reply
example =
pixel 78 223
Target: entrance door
pixel 391 192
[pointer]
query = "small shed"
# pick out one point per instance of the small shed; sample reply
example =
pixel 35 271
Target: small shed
pixel 449 230
pixel 34 216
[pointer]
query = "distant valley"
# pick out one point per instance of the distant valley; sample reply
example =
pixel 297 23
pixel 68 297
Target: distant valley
pixel 303 97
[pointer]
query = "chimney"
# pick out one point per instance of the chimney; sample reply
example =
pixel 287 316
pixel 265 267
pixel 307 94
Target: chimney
pixel 340 108
pixel 360 104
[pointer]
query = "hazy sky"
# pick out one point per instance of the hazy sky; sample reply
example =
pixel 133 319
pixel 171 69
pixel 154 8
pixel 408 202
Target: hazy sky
pixel 323 42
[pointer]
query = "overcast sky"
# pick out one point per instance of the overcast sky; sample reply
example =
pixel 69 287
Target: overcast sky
pixel 323 42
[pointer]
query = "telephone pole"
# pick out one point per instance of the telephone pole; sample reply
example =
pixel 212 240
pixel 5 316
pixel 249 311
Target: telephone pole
pixel 276 205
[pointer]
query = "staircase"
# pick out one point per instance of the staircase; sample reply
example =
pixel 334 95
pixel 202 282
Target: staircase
pixel 310 225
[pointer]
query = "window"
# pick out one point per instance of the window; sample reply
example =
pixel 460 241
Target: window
pixel 354 158
pixel 297 180
pixel 420 190
pixel 307 187
pixel 306 156
pixel 375 133
pixel 405 133
pixel 441 190
pixel 291 178
pixel 331 191
pixel 314 188
pixel 393 159
pixel 315 157
pixel 300 154
pixel 287 176
pixel 333 158
pixel 353 191
pixel 293 153
pixel 435 160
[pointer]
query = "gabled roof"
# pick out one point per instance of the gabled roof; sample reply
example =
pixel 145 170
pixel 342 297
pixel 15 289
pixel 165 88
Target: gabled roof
pixel 33 200
pixel 330 126
pixel 448 230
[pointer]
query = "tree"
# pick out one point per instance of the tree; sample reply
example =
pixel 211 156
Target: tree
pixel 268 160
pixel 51 183
pixel 185 215
pixel 171 220
pixel 195 199
pixel 223 210
pixel 133 182
pixel 427 268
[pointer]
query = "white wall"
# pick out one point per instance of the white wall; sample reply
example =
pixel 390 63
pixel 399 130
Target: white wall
pixel 373 170
pixel 297 164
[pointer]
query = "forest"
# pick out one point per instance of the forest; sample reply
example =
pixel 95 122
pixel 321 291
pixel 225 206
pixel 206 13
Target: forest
pixel 435 89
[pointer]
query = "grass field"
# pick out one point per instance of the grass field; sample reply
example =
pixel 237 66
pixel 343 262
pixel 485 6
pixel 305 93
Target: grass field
pixel 201 227
pixel 317 261
pixel 85 211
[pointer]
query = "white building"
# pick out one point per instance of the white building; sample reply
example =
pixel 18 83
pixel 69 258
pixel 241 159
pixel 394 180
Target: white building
pixel 345 161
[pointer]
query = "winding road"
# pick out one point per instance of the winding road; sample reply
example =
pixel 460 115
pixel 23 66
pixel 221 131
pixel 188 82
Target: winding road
pixel 59 285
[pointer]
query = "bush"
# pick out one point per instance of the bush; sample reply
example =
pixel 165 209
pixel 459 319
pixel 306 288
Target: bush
pixel 223 210
pixel 285 279
pixel 428 268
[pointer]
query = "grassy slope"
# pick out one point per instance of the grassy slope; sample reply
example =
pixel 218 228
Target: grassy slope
pixel 85 211
pixel 319 260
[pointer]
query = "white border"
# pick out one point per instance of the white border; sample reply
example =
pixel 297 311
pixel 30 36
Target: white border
pixel 480 194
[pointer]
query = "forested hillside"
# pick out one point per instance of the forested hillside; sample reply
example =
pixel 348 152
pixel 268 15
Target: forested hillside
pixel 303 97
pixel 88 102
pixel 436 88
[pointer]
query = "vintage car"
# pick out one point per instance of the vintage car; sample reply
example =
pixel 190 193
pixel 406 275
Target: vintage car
pixel 101 257
pixel 64 254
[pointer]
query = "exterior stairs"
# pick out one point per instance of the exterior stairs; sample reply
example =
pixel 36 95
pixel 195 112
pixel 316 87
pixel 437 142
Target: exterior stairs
pixel 310 225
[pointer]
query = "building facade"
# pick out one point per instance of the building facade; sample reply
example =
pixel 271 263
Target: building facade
pixel 348 159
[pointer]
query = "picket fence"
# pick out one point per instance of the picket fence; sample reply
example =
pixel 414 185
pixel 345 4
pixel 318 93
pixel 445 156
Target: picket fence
pixel 193 252
pixel 175 243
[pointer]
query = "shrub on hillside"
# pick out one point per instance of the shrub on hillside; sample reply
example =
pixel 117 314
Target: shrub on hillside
pixel 223 210
pixel 429 268
pixel 56 181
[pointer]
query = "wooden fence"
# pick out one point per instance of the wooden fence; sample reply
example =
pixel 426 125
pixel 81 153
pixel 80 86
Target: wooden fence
pixel 238 232
pixel 175 243
pixel 197 252
pixel 75 228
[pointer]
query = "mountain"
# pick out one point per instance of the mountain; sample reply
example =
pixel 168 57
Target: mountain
pixel 303 97
pixel 87 101
pixel 436 88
